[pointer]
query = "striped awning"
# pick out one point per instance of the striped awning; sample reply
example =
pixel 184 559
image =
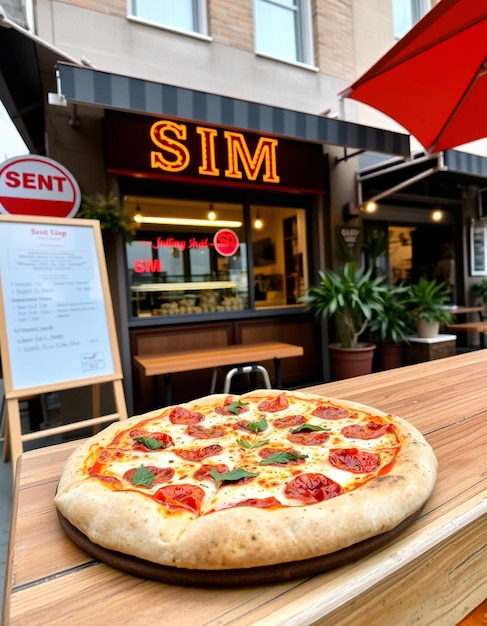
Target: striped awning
pixel 88 86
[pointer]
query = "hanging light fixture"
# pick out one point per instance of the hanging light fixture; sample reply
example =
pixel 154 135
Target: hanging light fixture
pixel 258 223
pixel 211 213
pixel 138 213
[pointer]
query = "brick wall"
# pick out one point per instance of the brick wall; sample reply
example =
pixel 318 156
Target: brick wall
pixel 232 23
pixel 333 37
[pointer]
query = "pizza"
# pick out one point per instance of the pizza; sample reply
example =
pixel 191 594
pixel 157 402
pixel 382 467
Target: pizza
pixel 230 482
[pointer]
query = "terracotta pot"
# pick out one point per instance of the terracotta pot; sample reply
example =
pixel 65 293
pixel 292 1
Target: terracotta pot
pixel 427 330
pixel 388 356
pixel 350 362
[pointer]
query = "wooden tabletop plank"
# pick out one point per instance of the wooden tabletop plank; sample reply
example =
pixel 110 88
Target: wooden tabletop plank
pixel 433 573
pixel 186 360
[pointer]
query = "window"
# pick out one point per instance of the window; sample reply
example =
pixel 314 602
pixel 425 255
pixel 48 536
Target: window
pixel 283 30
pixel 279 255
pixel 190 257
pixel 406 13
pixel 183 15
pixel 184 261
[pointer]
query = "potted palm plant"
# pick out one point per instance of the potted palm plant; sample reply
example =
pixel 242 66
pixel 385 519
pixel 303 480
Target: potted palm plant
pixel 391 329
pixel 427 305
pixel 352 297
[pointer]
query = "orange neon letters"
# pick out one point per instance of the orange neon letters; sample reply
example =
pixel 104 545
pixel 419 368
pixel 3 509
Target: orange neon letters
pixel 174 156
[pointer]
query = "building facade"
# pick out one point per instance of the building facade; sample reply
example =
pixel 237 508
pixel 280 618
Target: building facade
pixel 216 124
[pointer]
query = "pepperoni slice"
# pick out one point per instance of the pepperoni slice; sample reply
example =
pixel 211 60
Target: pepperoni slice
pixel 354 460
pixel 231 407
pixel 198 454
pixel 163 438
pixel 289 422
pixel 312 488
pixel 260 503
pixel 309 437
pixel 371 430
pixel 161 474
pixel 204 471
pixel 330 412
pixel 276 404
pixel 109 480
pixel 188 497
pixel 200 432
pixel 179 415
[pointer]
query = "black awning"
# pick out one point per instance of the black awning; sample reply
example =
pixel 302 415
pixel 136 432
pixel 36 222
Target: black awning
pixel 423 180
pixel 88 86
pixel 27 74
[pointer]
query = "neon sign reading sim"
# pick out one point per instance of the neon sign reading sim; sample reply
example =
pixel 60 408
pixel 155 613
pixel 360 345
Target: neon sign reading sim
pixel 238 153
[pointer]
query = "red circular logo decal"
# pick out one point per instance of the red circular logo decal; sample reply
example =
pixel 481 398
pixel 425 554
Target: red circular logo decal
pixel 226 242
pixel 37 185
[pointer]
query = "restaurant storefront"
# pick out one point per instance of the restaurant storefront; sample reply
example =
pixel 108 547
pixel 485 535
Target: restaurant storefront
pixel 424 211
pixel 273 179
pixel 221 253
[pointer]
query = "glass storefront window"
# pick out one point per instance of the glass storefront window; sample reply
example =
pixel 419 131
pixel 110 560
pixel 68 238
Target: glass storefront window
pixel 280 270
pixel 190 257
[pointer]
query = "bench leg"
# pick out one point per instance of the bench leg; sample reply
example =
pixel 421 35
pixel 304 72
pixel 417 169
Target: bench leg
pixel 277 371
pixel 213 380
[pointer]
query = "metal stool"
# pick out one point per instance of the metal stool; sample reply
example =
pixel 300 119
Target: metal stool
pixel 246 369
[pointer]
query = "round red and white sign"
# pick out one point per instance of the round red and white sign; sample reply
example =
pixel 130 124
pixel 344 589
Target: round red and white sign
pixel 226 242
pixel 37 185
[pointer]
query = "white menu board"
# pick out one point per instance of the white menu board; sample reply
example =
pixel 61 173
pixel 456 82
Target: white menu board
pixel 54 302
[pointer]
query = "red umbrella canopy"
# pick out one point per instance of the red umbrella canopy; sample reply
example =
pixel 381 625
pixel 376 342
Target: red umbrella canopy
pixel 434 80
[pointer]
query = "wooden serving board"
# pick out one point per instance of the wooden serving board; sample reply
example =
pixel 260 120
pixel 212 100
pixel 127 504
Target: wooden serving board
pixel 270 574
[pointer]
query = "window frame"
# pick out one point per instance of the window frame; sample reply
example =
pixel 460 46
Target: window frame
pixel 304 32
pixel 418 9
pixel 200 19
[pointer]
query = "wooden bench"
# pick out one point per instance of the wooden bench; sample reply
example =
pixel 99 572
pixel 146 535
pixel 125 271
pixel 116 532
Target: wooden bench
pixel 471 327
pixel 235 355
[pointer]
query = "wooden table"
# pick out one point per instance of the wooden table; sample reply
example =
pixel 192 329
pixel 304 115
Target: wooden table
pixel 433 573
pixel 471 327
pixel 189 360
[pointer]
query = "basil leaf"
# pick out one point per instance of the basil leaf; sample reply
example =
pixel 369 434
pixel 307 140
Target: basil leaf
pixel 257 426
pixel 307 426
pixel 246 444
pixel 235 406
pixel 151 442
pixel 282 457
pixel 143 476
pixel 232 476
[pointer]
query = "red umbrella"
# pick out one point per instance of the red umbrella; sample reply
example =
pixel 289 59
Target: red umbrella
pixel 434 80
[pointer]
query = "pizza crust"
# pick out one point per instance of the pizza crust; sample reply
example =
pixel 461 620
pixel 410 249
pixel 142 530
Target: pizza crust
pixel 245 537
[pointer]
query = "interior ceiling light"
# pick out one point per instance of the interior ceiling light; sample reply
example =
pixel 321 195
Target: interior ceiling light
pixel 258 223
pixel 437 215
pixel 181 221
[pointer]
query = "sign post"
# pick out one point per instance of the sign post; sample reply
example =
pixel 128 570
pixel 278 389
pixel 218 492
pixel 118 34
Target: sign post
pixel 57 327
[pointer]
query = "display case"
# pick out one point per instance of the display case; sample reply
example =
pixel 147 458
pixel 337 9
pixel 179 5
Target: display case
pixel 187 298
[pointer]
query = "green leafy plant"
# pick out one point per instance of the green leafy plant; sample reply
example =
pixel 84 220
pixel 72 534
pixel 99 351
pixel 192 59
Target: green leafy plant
pixel 393 324
pixel 479 290
pixel 111 215
pixel 352 297
pixel 427 301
